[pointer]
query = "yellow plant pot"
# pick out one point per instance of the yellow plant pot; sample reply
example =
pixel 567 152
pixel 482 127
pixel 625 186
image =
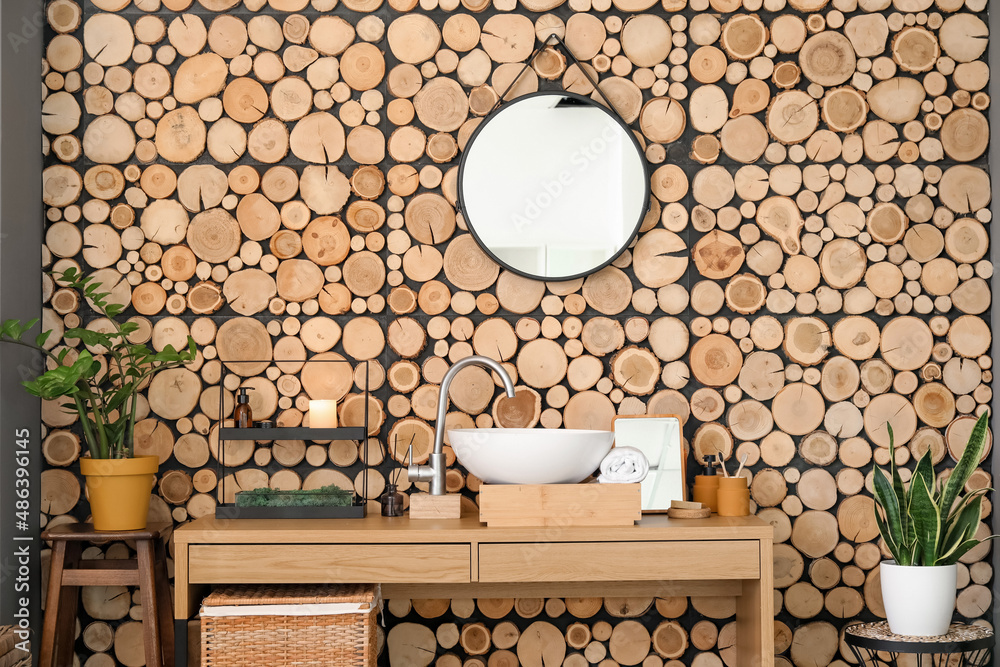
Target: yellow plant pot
pixel 119 489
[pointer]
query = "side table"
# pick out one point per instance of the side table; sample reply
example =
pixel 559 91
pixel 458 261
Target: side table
pixel 967 645
pixel 68 572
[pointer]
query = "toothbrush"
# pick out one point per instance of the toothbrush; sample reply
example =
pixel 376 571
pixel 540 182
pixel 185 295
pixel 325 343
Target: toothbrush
pixel 743 462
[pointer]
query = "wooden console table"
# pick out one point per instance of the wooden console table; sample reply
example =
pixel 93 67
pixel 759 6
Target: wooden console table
pixel 462 558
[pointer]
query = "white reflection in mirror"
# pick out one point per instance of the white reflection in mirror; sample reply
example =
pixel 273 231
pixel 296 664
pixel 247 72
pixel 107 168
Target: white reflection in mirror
pixel 553 185
pixel 659 438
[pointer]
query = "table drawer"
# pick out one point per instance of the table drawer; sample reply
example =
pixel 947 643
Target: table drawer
pixel 619 561
pixel 333 563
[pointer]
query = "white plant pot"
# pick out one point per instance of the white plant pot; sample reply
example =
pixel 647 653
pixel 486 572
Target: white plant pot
pixel 919 601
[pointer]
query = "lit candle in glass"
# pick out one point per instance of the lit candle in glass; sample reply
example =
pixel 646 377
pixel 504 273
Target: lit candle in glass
pixel 323 414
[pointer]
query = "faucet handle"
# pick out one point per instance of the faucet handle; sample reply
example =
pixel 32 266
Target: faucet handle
pixel 417 473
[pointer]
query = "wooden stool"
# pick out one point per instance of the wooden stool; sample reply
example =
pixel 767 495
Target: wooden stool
pixel 68 572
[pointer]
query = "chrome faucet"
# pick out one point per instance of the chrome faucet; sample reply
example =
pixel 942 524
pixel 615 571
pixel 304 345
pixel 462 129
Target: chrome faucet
pixel 433 472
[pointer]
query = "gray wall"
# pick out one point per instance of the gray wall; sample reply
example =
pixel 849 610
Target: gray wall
pixel 21 29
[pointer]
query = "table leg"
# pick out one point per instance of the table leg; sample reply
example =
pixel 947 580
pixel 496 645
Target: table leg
pixel 150 610
pixel 164 608
pixel 755 615
pixel 183 602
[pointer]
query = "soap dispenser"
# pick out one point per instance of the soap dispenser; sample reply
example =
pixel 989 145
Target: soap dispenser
pixel 243 415
pixel 706 486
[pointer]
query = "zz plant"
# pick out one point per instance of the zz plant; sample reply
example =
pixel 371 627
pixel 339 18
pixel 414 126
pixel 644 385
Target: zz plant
pixel 926 523
pixel 102 385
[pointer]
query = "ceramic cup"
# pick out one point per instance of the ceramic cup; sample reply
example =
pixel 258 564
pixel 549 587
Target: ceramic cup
pixel 734 496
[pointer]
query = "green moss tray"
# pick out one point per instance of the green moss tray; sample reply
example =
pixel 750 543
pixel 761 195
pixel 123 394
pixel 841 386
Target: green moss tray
pixel 328 502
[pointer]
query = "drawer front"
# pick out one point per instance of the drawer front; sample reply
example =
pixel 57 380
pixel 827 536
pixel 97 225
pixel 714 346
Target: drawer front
pixel 619 561
pixel 329 563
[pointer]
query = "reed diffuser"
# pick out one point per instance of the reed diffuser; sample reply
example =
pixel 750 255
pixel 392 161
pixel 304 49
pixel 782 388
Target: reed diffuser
pixel 392 499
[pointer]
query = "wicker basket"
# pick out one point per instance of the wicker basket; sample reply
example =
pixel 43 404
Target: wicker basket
pixel 312 636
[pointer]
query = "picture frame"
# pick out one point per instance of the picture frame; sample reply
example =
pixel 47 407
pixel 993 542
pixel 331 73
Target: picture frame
pixel 661 439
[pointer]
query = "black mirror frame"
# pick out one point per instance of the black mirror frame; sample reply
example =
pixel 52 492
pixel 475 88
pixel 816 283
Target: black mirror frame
pixel 614 115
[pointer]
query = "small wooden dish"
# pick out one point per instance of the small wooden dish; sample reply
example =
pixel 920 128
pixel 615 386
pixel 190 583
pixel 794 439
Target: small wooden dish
pixel 702 513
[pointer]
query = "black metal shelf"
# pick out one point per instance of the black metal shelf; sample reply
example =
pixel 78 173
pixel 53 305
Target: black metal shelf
pixel 347 512
pixel 358 434
pixel 293 433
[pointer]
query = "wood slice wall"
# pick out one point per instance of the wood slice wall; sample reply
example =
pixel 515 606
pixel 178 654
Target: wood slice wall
pixel 277 178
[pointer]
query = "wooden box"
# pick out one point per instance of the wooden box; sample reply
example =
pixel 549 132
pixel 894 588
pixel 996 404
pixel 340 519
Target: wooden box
pixel 560 504
pixel 426 506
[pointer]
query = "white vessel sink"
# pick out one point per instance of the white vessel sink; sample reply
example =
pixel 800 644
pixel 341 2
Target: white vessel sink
pixel 530 455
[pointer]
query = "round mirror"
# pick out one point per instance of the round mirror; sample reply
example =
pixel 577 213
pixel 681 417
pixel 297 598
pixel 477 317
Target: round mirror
pixel 553 185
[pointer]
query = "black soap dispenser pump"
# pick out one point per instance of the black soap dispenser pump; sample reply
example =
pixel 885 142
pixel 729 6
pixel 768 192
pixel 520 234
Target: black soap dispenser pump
pixel 243 415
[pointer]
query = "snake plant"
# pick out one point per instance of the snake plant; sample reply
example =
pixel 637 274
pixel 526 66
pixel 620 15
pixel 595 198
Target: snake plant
pixel 925 522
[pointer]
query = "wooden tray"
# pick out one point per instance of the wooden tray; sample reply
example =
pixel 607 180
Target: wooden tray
pixel 560 504
pixel 676 513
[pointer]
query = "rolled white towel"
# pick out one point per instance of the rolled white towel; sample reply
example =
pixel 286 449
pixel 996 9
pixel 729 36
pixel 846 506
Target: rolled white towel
pixel 624 465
